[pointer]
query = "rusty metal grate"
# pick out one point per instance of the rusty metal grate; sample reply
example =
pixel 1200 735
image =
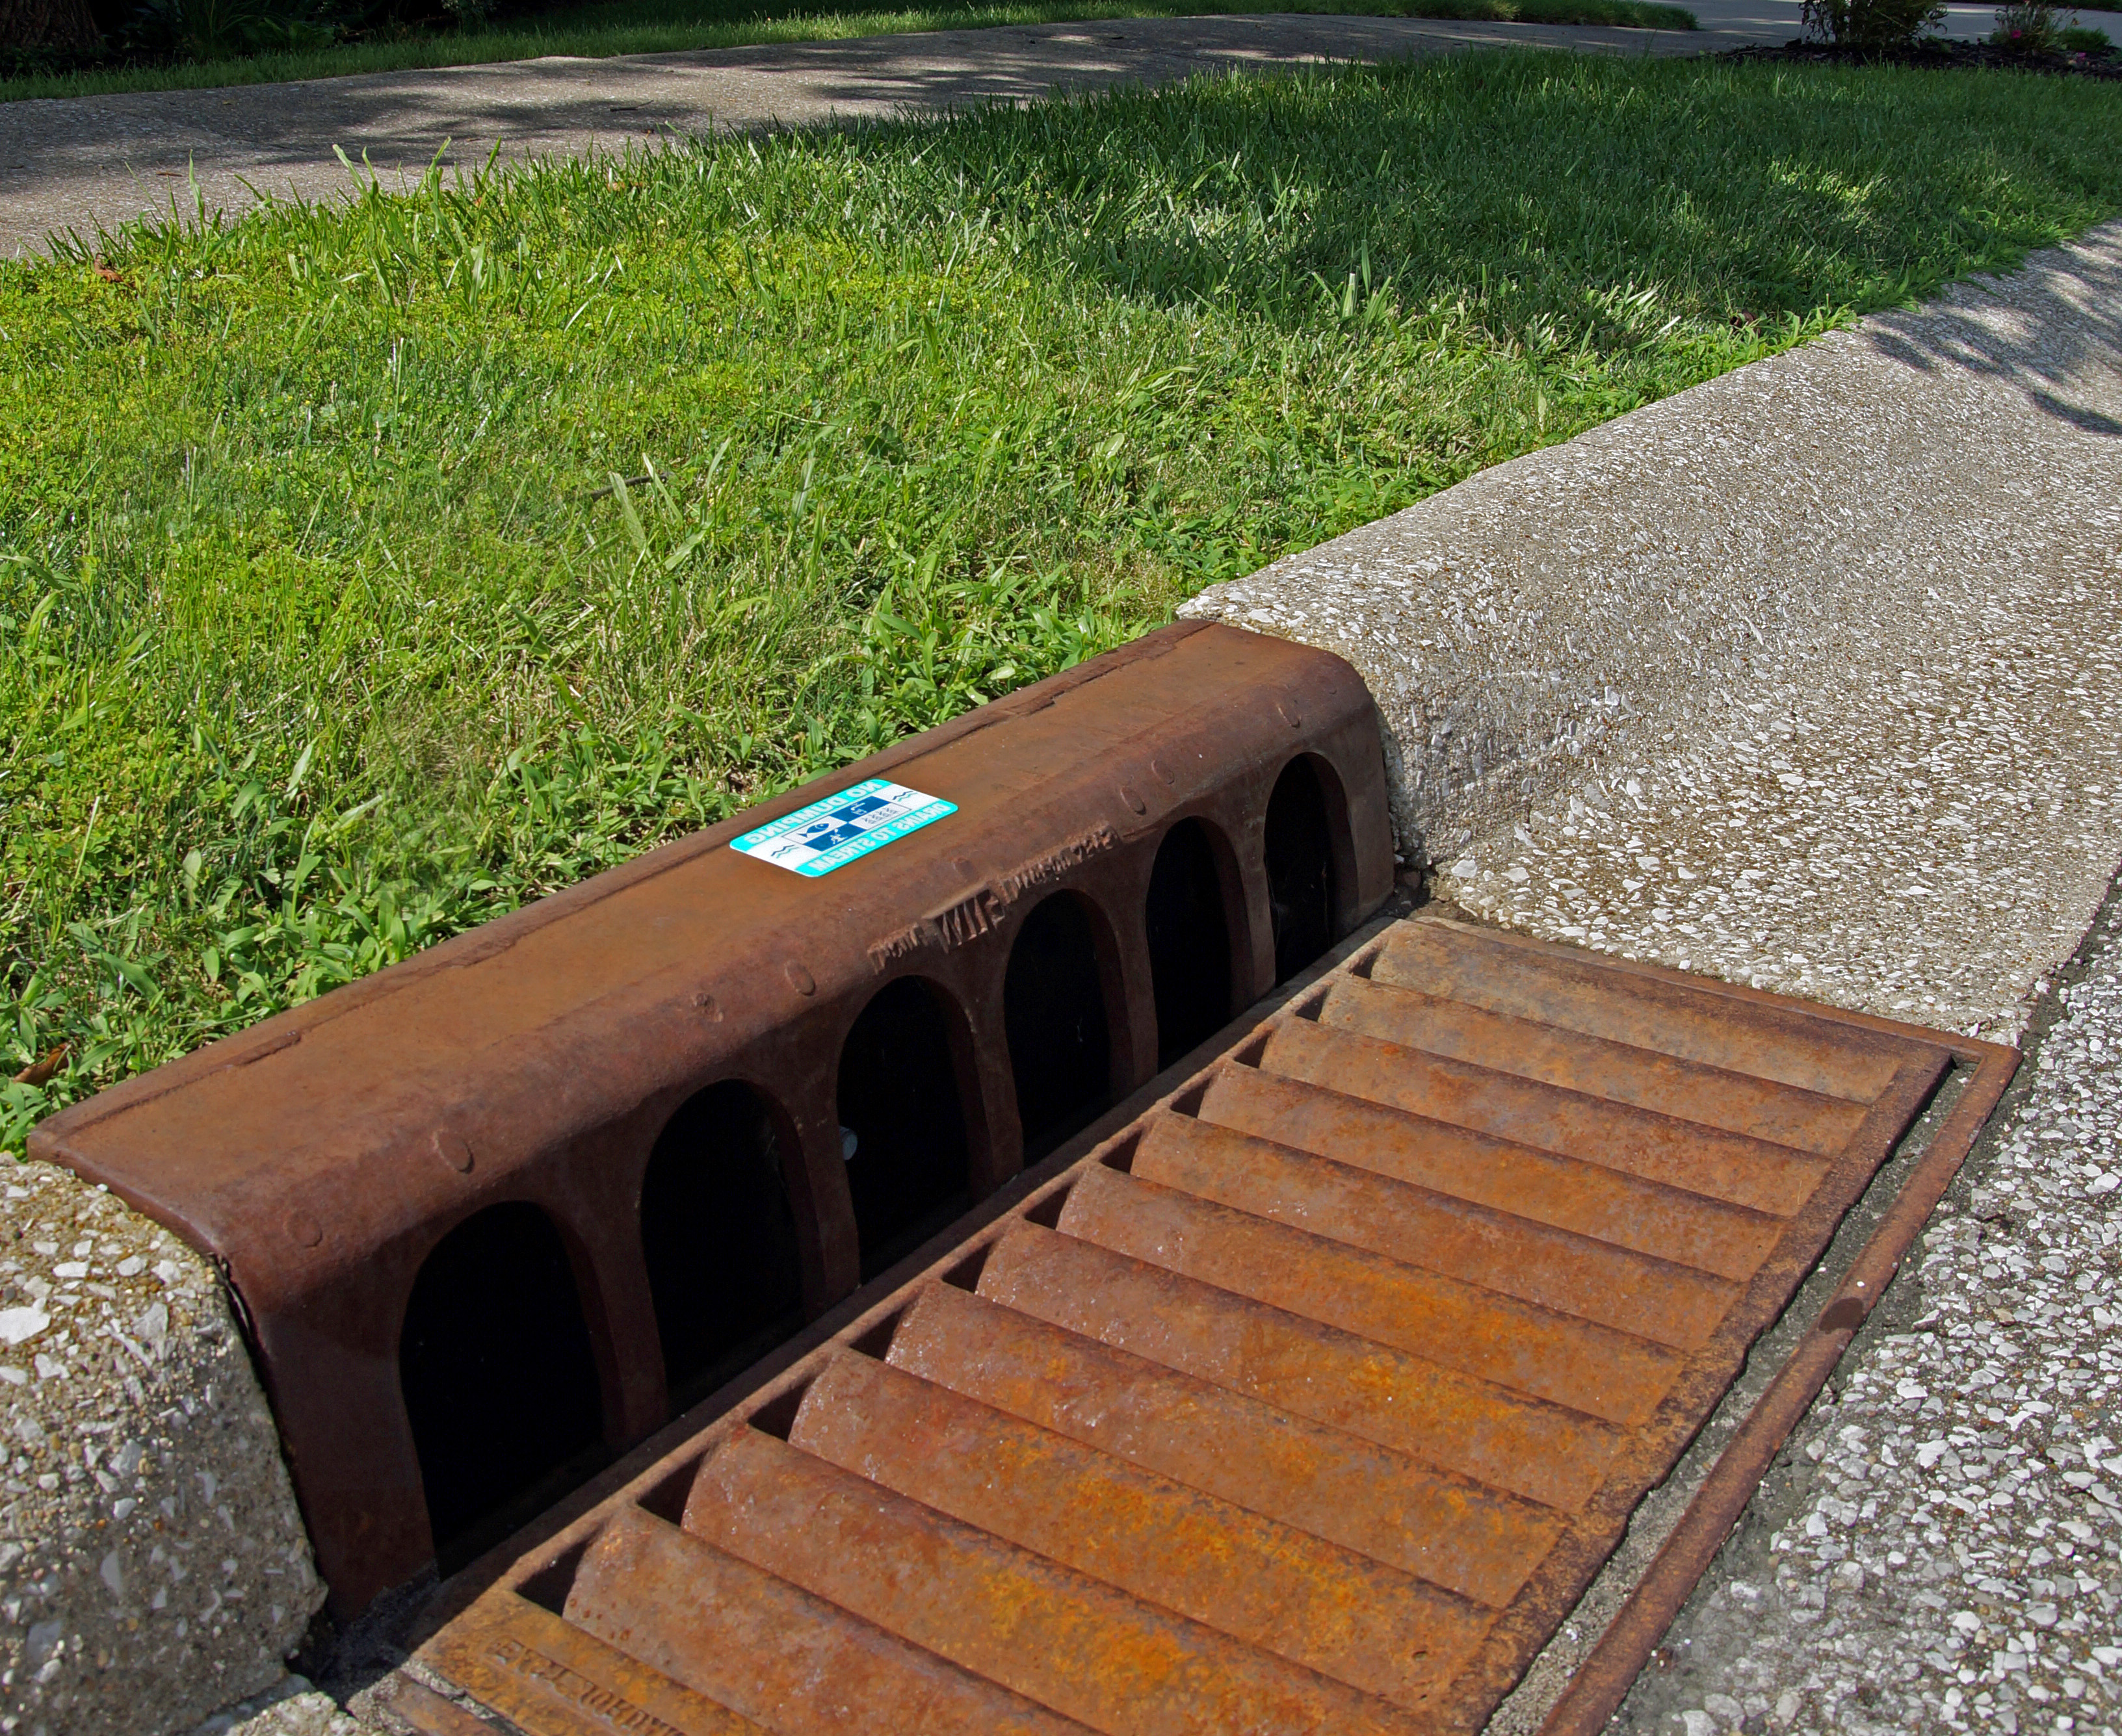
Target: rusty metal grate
pixel 1312 1401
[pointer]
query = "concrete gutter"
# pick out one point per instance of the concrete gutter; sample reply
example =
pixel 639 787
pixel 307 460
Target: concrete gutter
pixel 1807 677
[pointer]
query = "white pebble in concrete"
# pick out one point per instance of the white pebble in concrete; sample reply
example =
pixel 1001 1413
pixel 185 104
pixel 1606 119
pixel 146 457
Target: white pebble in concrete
pixel 1941 1550
pixel 152 1562
pixel 293 1707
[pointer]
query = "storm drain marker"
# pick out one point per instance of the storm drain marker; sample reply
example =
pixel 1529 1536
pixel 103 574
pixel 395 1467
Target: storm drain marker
pixel 1313 1400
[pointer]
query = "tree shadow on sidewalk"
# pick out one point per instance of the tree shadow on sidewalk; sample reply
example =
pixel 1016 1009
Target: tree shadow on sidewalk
pixel 2054 329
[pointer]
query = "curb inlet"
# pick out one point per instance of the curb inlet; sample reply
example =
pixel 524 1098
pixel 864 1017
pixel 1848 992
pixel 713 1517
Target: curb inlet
pixel 498 1214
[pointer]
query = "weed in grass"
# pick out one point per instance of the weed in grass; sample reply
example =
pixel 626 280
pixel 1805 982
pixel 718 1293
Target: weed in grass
pixel 365 572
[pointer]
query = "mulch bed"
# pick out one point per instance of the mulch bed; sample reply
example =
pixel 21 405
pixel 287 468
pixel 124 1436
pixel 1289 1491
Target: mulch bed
pixel 1942 56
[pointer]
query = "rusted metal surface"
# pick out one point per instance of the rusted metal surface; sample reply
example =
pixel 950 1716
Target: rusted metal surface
pixel 1596 1691
pixel 324 1156
pixel 1312 1400
pixel 409 1705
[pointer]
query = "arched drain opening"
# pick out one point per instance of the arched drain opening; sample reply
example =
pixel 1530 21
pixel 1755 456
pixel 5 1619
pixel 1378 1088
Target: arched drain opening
pixel 500 1383
pixel 1054 1011
pixel 719 1239
pixel 1299 868
pixel 1190 941
pixel 902 1127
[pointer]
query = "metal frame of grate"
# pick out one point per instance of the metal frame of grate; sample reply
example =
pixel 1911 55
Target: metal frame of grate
pixel 1313 1398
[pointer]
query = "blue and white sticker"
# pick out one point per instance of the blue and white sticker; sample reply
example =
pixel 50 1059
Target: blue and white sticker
pixel 831 833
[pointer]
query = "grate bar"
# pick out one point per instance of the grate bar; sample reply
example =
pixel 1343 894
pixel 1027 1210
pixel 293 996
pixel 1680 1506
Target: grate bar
pixel 1633 1293
pixel 754 1643
pixel 1591 1369
pixel 1545 1187
pixel 1509 1441
pixel 1073 1643
pixel 1248 1576
pixel 1449 1531
pixel 1312 1400
pixel 1661 1148
pixel 1771 1038
pixel 1616 1072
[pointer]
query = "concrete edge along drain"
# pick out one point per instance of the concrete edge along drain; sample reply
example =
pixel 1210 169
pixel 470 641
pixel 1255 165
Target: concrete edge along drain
pixel 1314 1398
pixel 494 1215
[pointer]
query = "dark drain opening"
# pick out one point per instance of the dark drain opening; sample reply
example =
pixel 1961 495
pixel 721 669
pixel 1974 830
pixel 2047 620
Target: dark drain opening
pixel 1054 1010
pixel 719 1239
pixel 899 1106
pixel 500 1383
pixel 1189 942
pixel 1299 868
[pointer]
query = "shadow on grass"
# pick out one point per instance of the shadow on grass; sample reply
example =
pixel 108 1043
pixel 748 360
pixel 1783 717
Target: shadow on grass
pixel 1571 199
pixel 605 28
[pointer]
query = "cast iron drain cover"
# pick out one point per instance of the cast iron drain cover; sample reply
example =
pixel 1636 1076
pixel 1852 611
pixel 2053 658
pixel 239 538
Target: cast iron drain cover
pixel 1312 1401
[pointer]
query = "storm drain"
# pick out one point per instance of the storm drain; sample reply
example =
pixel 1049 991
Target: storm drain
pixel 1313 1400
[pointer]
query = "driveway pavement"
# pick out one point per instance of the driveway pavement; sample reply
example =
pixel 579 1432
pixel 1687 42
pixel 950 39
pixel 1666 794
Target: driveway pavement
pixel 1777 20
pixel 88 161
pixel 83 163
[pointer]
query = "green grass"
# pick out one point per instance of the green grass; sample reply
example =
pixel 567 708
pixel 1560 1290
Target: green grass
pixel 2084 41
pixel 604 27
pixel 325 630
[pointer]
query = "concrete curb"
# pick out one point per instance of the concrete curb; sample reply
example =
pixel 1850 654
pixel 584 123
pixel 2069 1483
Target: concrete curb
pixel 152 1563
pixel 1807 676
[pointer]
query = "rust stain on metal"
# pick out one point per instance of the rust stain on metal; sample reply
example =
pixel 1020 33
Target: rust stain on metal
pixel 548 1674
pixel 1312 1400
pixel 556 1044
pixel 418 1707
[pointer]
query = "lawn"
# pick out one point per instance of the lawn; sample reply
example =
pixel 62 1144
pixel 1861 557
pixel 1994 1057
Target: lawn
pixel 365 572
pixel 599 27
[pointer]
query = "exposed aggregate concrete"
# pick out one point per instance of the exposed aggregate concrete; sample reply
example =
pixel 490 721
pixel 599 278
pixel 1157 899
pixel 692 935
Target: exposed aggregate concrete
pixel 152 1562
pixel 1809 676
pixel 291 1707
pixel 1942 1548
